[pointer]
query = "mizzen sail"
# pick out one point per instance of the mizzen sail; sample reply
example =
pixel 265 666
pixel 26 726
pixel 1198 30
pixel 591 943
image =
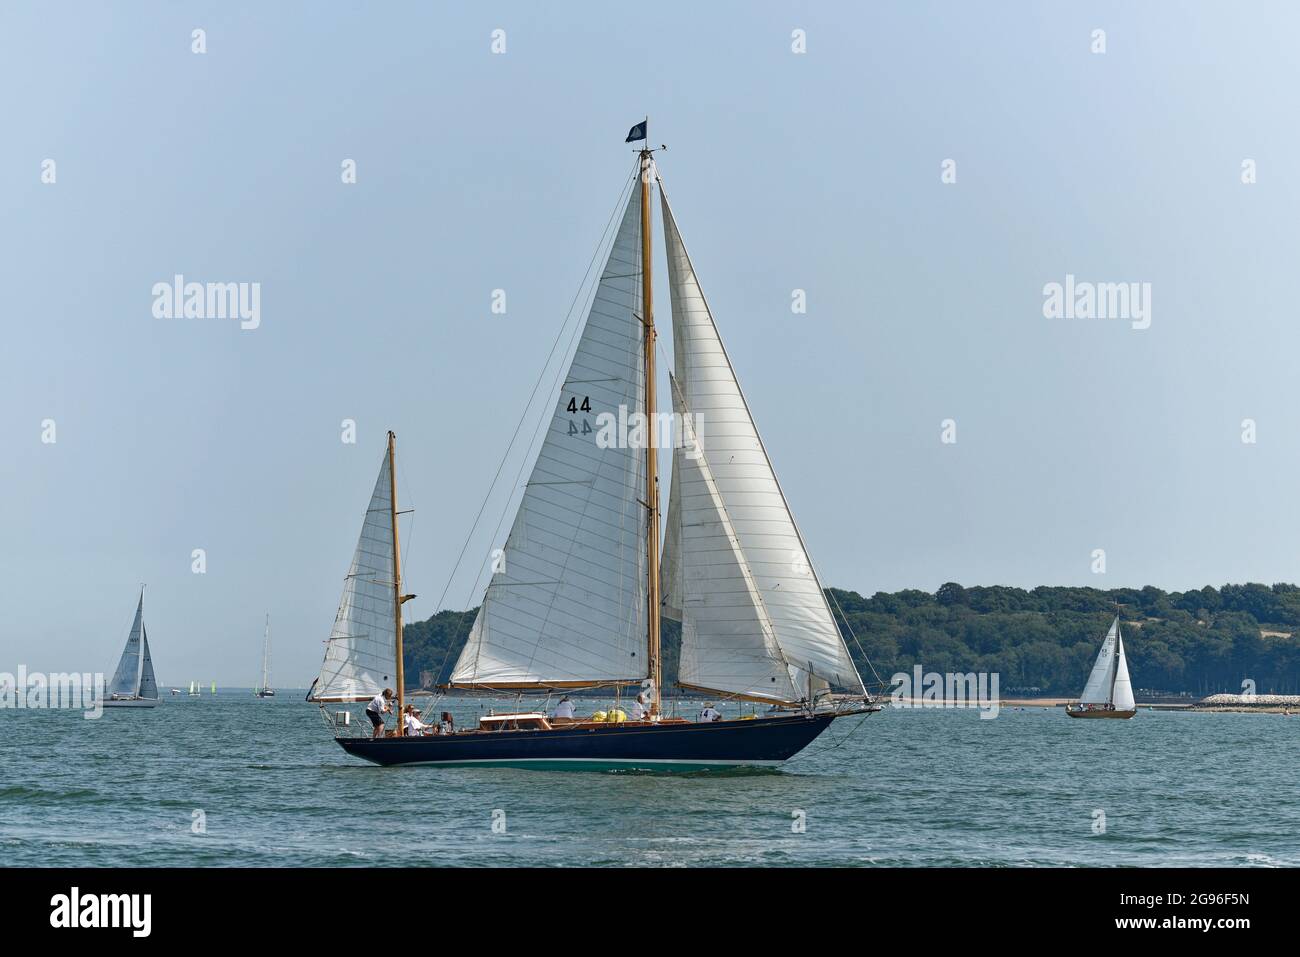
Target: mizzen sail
pixel 739 561
pixel 361 652
pixel 566 605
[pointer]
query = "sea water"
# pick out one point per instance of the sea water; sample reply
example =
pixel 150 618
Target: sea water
pixel 234 780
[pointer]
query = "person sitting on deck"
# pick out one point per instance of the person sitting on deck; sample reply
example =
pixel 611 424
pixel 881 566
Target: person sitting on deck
pixel 564 709
pixel 709 713
pixel 376 710
pixel 412 724
pixel 640 708
pixel 446 725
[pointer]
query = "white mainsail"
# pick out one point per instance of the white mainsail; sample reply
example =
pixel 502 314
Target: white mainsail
pixel 1122 689
pixel 126 679
pixel 361 654
pixel 567 601
pixel 1098 688
pixel 755 620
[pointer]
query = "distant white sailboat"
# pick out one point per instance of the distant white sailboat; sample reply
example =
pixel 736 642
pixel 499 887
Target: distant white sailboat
pixel 266 691
pixel 1108 693
pixel 194 689
pixel 134 684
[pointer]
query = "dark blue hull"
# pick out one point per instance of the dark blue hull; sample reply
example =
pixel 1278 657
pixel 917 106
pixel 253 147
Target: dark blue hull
pixel 660 747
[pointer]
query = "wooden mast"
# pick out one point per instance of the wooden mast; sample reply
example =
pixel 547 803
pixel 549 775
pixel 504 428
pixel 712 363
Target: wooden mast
pixel 397 584
pixel 651 455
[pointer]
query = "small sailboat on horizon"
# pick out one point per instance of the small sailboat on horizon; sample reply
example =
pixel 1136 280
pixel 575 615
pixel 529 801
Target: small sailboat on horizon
pixel 1109 692
pixel 133 684
pixel 265 690
pixel 576 602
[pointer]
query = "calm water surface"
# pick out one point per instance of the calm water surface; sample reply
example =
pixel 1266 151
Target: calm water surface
pixel 900 788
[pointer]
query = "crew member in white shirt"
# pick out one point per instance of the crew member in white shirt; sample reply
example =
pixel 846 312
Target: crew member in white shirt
pixel 412 723
pixel 376 710
pixel 709 713
pixel 565 708
pixel 640 708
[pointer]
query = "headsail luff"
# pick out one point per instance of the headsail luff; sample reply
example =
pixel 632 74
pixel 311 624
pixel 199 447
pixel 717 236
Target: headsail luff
pixel 148 683
pixel 361 652
pixel 566 605
pixel 765 535
pixel 1102 678
pixel 126 679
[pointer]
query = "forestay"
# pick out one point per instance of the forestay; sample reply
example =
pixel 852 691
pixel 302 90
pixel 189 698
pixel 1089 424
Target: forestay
pixel 361 653
pixel 567 601
pixel 742 579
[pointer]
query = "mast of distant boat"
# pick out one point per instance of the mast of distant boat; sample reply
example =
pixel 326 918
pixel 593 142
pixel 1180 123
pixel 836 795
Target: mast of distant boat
pixel 266 650
pixel 651 455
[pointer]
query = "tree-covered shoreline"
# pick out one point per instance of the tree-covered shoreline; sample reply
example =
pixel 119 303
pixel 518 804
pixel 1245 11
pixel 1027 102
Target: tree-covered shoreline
pixel 1041 640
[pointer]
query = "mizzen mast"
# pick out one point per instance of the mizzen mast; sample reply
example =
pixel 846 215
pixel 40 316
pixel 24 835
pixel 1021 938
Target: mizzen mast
pixel 651 454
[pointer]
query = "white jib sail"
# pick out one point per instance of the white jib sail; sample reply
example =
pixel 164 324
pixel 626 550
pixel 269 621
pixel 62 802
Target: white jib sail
pixel 728 642
pixel 1097 690
pixel 567 600
pixel 361 654
pixel 148 683
pixel 126 679
pixel 765 536
pixel 1122 695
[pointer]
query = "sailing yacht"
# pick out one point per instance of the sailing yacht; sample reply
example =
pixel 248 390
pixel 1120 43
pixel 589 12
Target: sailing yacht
pixel 1109 693
pixel 133 684
pixel 265 690
pixel 577 600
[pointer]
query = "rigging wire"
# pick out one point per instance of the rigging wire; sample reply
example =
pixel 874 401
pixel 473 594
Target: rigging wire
pixel 838 744
pixel 854 635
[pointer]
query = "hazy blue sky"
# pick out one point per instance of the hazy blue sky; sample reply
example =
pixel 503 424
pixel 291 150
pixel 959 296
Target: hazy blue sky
pixel 817 171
